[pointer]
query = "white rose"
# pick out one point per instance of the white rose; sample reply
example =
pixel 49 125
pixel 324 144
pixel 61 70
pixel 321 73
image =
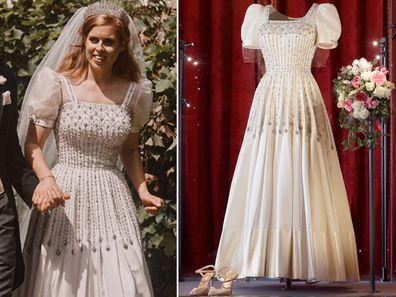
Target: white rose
pixel 2 80
pixel 387 92
pixel 378 92
pixel 340 104
pixel 381 92
pixel 355 70
pixel 366 75
pixel 364 113
pixel 356 114
pixel 355 62
pixel 357 105
pixel 364 64
pixel 370 86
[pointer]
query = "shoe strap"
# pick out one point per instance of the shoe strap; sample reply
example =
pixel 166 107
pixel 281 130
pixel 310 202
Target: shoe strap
pixel 206 269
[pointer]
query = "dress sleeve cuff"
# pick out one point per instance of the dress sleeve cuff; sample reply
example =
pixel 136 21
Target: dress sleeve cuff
pixel 250 44
pixel 42 122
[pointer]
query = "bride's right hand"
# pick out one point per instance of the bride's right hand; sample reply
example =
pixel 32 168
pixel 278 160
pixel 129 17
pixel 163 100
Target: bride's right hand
pixel 48 195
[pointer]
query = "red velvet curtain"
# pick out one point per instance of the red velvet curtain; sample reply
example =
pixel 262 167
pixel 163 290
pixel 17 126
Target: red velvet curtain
pixel 219 88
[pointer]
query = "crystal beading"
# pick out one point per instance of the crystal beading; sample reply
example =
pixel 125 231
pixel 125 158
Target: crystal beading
pixel 106 8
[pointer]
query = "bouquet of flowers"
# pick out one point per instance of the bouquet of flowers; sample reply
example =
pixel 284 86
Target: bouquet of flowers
pixel 363 95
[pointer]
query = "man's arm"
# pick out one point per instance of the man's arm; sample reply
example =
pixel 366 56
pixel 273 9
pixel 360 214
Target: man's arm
pixel 21 176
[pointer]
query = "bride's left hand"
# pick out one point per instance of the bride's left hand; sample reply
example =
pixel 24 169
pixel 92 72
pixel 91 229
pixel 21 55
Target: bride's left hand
pixel 152 204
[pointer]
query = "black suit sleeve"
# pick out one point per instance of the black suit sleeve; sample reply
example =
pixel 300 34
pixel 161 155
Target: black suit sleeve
pixel 22 177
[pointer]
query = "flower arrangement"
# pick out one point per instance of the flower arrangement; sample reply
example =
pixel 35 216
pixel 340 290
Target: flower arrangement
pixel 363 95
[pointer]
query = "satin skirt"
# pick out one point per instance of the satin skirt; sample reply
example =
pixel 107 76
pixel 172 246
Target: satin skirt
pixel 288 213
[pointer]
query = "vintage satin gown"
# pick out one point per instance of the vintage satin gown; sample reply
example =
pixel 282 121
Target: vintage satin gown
pixel 288 213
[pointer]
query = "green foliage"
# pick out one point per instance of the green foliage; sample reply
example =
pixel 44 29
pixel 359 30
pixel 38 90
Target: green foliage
pixel 28 30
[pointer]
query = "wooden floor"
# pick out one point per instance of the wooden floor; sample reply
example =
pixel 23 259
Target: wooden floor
pixel 259 288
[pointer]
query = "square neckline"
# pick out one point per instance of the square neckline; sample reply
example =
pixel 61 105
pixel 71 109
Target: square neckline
pixel 73 97
pixel 289 19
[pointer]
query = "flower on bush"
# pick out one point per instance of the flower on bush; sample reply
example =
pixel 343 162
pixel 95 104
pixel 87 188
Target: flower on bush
pixel 363 95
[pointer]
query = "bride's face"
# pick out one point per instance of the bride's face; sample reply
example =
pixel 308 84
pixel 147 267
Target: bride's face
pixel 102 47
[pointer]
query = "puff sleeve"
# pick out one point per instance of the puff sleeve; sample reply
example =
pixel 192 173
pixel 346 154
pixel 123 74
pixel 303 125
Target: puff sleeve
pixel 45 98
pixel 250 25
pixel 328 26
pixel 142 105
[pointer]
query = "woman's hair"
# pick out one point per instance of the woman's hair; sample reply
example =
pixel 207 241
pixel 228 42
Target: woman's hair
pixel 75 64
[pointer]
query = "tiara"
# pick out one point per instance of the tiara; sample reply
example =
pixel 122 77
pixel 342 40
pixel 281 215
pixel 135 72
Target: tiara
pixel 106 8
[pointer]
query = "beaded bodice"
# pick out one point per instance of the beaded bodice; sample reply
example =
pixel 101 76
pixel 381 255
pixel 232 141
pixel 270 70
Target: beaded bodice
pixel 90 135
pixel 287 45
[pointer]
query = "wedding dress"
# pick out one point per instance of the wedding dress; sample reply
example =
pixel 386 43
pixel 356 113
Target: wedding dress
pixel 288 213
pixel 92 246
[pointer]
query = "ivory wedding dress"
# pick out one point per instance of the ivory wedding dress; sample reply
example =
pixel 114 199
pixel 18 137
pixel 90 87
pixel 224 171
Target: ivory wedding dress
pixel 288 214
pixel 92 246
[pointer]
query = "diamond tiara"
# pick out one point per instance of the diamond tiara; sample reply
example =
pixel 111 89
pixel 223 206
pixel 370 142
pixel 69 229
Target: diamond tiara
pixel 106 8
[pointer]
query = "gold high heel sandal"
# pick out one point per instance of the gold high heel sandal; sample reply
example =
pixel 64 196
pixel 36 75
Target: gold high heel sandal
pixel 227 276
pixel 208 272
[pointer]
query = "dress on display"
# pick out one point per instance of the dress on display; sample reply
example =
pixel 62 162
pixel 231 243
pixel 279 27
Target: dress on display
pixel 92 246
pixel 288 213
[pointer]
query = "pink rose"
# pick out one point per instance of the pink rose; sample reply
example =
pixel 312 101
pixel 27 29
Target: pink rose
pixel 348 105
pixel 361 96
pixel 378 77
pixel 384 70
pixel 370 103
pixel 356 81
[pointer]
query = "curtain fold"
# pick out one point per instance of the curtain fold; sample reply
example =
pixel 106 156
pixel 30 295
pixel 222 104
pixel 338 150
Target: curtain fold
pixel 219 88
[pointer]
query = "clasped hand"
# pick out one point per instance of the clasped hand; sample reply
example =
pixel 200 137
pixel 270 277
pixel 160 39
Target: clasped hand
pixel 48 195
pixel 152 204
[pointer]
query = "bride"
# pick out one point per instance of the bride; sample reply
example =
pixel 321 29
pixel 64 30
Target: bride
pixel 91 91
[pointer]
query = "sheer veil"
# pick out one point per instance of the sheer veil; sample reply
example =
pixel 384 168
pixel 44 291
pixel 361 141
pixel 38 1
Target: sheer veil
pixel 69 36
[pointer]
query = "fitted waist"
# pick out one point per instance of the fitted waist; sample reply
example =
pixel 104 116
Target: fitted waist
pixel 287 68
pixel 84 166
pixel 88 162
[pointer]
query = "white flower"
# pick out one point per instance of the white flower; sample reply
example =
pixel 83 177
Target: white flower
pixel 346 82
pixel 2 80
pixel 389 85
pixel 370 86
pixel 355 62
pixel 364 64
pixel 356 70
pixel 357 105
pixel 366 75
pixel 349 67
pixel 356 114
pixel 340 104
pixel 364 113
pixel 359 111
pixel 382 92
pixel 352 93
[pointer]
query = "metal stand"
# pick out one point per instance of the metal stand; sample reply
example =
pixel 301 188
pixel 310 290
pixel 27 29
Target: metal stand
pixel 372 212
pixel 384 175
pixel 182 48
